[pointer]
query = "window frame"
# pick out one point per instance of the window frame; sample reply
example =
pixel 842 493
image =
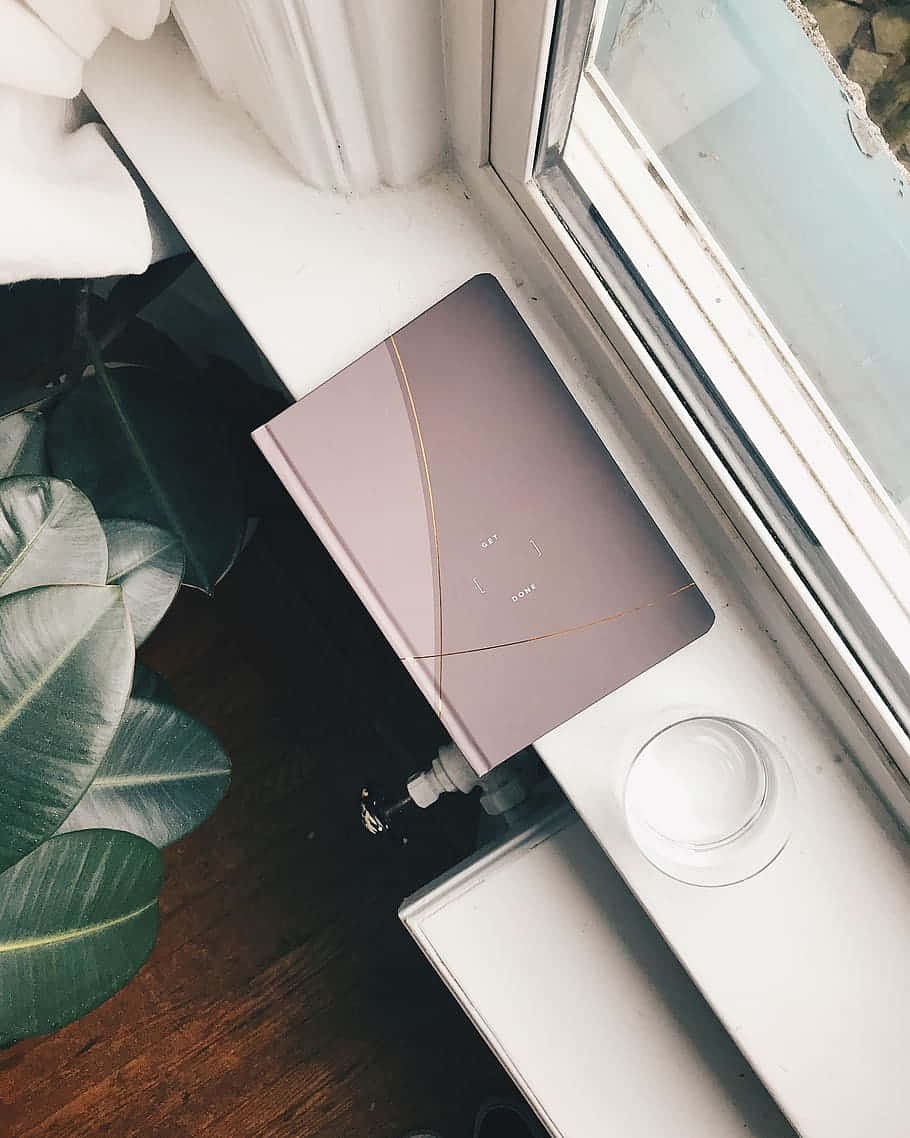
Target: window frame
pixel 817 556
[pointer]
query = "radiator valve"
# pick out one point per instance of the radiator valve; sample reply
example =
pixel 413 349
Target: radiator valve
pixel 502 789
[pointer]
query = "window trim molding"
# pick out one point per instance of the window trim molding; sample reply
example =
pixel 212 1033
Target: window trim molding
pixel 519 67
pixel 741 338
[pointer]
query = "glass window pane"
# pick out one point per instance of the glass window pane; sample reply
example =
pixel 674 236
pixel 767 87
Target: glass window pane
pixel 755 128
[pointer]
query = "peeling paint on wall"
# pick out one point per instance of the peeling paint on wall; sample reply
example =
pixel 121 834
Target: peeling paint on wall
pixel 866 45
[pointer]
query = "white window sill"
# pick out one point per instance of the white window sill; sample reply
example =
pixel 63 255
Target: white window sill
pixel 806 964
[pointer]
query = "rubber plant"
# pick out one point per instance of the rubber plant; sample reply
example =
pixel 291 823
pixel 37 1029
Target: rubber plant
pixel 110 500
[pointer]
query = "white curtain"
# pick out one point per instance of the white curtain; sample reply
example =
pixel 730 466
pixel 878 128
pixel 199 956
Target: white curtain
pixel 68 206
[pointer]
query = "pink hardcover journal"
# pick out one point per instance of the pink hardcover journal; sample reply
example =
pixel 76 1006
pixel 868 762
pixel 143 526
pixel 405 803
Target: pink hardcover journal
pixel 484 524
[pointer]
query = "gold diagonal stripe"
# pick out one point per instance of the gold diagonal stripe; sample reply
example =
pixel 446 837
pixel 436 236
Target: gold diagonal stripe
pixel 563 631
pixel 426 470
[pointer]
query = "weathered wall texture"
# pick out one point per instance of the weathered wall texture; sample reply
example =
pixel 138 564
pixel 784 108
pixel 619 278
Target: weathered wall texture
pixel 870 39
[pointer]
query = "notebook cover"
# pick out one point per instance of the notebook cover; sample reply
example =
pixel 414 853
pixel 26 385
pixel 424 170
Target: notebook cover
pixel 483 523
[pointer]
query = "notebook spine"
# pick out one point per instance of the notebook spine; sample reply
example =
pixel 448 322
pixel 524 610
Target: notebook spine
pixel 422 670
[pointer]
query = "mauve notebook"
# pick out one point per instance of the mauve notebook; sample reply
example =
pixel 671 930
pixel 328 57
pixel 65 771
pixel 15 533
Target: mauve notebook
pixel 481 520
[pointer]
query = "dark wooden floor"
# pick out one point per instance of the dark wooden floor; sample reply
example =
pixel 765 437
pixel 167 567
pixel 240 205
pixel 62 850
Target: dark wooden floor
pixel 283 997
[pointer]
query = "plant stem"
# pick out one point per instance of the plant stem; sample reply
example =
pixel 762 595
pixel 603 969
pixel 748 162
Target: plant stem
pixel 77 350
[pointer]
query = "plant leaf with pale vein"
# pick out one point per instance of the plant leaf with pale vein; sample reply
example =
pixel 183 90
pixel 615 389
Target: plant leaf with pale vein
pixel 162 776
pixel 65 674
pixel 22 444
pixel 78 917
pixel 49 535
pixel 147 563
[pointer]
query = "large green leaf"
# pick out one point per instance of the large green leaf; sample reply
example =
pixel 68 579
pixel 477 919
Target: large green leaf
pixel 22 444
pixel 163 775
pixel 65 673
pixel 78 917
pixel 147 563
pixel 35 324
pixel 144 446
pixel 49 535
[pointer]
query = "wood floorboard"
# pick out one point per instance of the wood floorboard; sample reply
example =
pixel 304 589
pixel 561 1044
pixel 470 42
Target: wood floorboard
pixel 283 998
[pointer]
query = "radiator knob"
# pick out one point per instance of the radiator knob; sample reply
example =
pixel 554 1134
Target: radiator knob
pixel 379 815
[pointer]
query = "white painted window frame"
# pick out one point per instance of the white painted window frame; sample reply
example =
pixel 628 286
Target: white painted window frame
pixel 798 437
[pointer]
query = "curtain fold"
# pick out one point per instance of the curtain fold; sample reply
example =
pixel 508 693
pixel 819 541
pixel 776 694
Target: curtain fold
pixel 68 205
